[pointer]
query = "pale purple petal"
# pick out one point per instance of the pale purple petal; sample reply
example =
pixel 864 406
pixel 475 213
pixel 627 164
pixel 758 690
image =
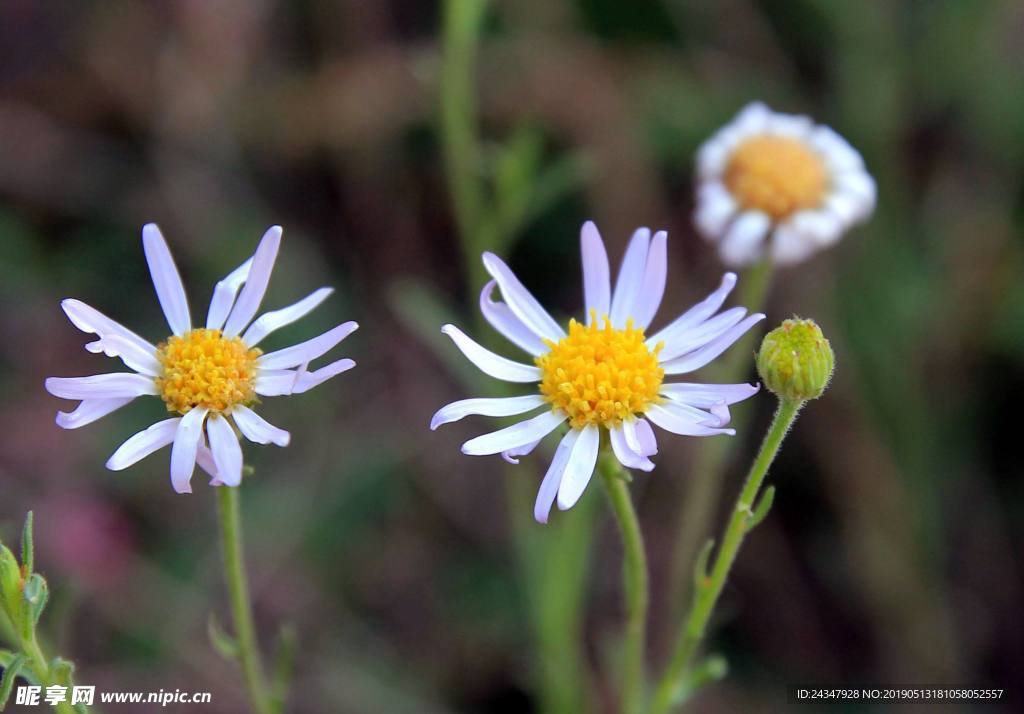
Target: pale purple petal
pixel 183 453
pixel 135 357
pixel 698 313
pixel 169 290
pixel 706 395
pixel 580 468
pixel 227 452
pixel 256 283
pixel 553 478
pixel 89 410
pixel 627 456
pixel 699 358
pixel 275 320
pixel 512 455
pixel 522 303
pixel 682 341
pixel 596 274
pixel 307 351
pixel 517 435
pixel 101 386
pixel 496 407
pixel 631 277
pixel 490 363
pixel 224 294
pixel 143 444
pixel 679 422
pixel 652 288
pixel 502 319
pixel 645 435
pixel 257 429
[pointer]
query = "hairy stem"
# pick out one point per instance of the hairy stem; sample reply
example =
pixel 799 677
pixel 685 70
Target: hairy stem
pixel 709 585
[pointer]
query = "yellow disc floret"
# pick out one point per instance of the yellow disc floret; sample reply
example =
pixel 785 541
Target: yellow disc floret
pixel 599 374
pixel 777 175
pixel 203 368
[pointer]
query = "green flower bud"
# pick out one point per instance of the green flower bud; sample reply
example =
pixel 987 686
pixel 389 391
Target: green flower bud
pixel 10 581
pixel 795 361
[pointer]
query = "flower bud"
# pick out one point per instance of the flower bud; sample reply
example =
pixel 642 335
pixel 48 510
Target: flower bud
pixel 10 581
pixel 795 361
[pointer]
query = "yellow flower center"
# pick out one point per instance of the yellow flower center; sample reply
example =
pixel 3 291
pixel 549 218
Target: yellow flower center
pixel 776 175
pixel 203 368
pixel 600 375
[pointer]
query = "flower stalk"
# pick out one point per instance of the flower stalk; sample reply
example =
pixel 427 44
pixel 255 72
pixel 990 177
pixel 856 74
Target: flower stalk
pixel 634 581
pixel 748 512
pixel 248 651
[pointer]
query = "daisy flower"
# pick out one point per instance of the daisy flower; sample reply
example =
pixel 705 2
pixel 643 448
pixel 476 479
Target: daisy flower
pixel 778 183
pixel 209 377
pixel 601 376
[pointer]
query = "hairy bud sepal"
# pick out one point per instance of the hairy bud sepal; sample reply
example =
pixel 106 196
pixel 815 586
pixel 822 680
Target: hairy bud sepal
pixel 795 360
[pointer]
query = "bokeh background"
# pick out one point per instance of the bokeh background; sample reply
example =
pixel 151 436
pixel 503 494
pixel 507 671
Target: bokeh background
pixel 413 574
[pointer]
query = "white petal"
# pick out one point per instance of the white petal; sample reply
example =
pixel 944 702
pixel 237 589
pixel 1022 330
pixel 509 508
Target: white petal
pixel 89 410
pixel 789 245
pixel 489 363
pixel 680 423
pixel 837 151
pixel 715 416
pixel 821 227
pixel 101 386
pixel 715 208
pixel 169 290
pixel 712 158
pixel 270 321
pixel 521 302
pixel 307 351
pixel 553 478
pixel 754 117
pixel 706 395
pixel 307 380
pixel 204 458
pixel 227 452
pixel 512 437
pixel 257 429
pixel 696 314
pixel 652 288
pixel 580 468
pixel 631 277
pixel 682 341
pixel 89 319
pixel 502 319
pixel 627 456
pixel 793 126
pixel 278 382
pixel 224 294
pixel 645 434
pixel 861 189
pixel 143 444
pixel 256 283
pixel 498 407
pixel 744 241
pixel 596 274
pixel 183 453
pixel 699 358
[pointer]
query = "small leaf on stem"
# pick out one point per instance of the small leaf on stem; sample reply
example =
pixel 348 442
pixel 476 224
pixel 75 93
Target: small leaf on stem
pixel 764 504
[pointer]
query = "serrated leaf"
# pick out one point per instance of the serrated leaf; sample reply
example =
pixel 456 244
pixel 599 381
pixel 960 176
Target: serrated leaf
pixel 225 645
pixel 28 550
pixel 11 672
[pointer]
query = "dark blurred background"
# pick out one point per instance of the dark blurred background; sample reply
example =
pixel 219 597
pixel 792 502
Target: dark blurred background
pixel 893 551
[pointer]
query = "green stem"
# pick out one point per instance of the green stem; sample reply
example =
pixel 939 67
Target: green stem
pixel 634 582
pixel 462 22
pixel 241 605
pixel 709 586
pixel 703 491
pixel 40 666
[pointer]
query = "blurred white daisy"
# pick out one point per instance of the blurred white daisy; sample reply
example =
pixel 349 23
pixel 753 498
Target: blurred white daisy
pixel 209 377
pixel 778 182
pixel 604 376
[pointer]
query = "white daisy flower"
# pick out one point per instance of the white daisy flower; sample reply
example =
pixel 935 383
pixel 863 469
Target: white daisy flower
pixel 604 376
pixel 209 377
pixel 781 182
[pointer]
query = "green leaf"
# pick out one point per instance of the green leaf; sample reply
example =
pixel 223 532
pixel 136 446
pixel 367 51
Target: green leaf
pixel 700 567
pixel 36 594
pixel 225 645
pixel 712 669
pixel 764 504
pixel 27 546
pixel 11 671
pixel 62 670
pixel 10 582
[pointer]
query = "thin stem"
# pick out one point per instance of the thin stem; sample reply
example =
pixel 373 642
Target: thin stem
pixel 40 666
pixel 634 582
pixel 704 489
pixel 241 605
pixel 709 587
